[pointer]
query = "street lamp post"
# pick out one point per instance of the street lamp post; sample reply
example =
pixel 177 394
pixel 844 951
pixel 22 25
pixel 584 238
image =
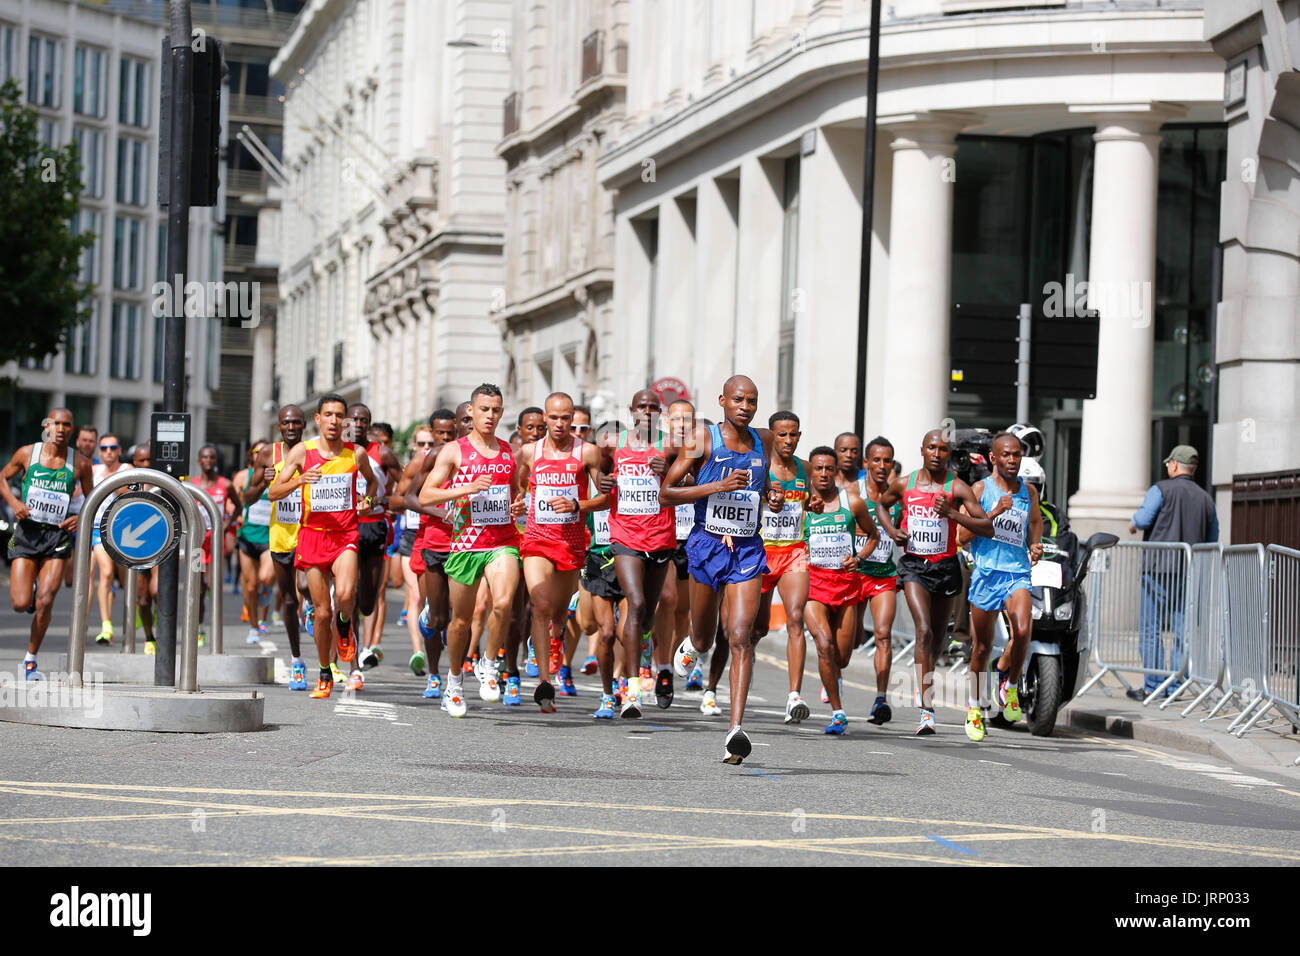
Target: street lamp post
pixel 868 206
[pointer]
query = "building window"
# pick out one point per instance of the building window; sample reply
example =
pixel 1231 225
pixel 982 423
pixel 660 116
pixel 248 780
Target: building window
pixel 338 362
pixel 128 253
pixel 789 278
pixel 132 172
pixel 83 223
pixel 310 376
pixel 44 71
pixel 83 344
pixel 89 81
pixel 8 52
pixel 124 351
pixel 159 323
pixel 160 268
pixel 90 150
pixel 122 418
pixel 134 93
pixel 49 132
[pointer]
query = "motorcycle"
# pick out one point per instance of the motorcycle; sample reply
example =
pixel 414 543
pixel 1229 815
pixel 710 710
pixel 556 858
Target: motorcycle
pixel 1056 664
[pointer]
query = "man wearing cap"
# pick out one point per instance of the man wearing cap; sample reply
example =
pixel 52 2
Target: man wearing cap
pixel 1176 509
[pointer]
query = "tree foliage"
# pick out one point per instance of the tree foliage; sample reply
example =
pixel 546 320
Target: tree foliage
pixel 41 298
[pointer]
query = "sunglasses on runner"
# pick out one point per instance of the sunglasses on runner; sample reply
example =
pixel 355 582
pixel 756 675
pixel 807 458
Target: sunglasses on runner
pixel 425 444
pixel 582 428
pixel 110 447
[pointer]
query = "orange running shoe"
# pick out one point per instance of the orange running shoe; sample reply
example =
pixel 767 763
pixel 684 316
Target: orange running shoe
pixel 243 614
pixel 647 679
pixel 355 681
pixel 347 647
pixel 557 655
pixel 323 688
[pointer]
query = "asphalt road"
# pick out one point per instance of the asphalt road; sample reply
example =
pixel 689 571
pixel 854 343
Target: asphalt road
pixel 385 777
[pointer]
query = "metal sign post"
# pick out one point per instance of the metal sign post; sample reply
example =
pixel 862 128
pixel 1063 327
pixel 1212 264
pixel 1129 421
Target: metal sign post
pixel 217 561
pixel 138 530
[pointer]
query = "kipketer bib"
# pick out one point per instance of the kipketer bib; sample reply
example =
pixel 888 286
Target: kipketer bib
pixel 637 520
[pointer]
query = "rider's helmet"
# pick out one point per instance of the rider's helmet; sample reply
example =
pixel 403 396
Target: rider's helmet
pixel 1030 438
pixel 1032 473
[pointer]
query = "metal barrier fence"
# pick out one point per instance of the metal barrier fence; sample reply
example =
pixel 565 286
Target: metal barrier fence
pixel 1139 602
pixel 1243 630
pixel 1204 629
pixel 1277 646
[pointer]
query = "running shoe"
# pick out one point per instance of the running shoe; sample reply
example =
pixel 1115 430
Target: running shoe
pixel 323 688
pixel 631 707
pixel 590 665
pixel 339 676
pixel 453 702
pixel 709 705
pixel 470 666
pixel 243 616
pixel 277 620
pixel 511 698
pixel 646 660
pixel 203 636
pixel 423 622
pixel 418 663
pixel 503 669
pixel 150 648
pixel 379 654
pixel 433 690
pixel 355 681
pixel 664 689
pixel 825 697
pixel 686 657
pixel 490 689
pixel 736 746
pixel 254 636
pixel 1002 687
pixel 880 712
pixel 927 726
pixel 309 620
pixel 975 724
pixel 544 697
pixel 401 618
pixel 30 672
pixel 1012 711
pixel 606 709
pixel 796 710
pixel 557 655
pixel 839 723
pixel 347 646
pixel 530 668
pixel 105 635
pixel 696 680
pixel 369 658
pixel 647 678
pixel 261 627
pixel 567 687
pixel 297 676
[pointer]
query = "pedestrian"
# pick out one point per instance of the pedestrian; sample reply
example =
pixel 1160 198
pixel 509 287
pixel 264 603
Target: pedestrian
pixel 1176 509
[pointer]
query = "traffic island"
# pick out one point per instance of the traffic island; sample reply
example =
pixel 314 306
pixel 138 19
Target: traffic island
pixel 213 668
pixel 58 702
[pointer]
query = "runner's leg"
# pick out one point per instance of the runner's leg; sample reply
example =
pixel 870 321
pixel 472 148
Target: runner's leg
pixel 284 582
pixel 739 626
pixel 793 587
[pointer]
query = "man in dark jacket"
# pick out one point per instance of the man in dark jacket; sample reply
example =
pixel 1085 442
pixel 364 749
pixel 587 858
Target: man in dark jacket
pixel 1176 509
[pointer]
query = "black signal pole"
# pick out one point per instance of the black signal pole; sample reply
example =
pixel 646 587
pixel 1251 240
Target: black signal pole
pixel 868 206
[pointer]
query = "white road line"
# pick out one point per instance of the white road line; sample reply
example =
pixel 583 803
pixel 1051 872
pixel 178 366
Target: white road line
pixel 998 762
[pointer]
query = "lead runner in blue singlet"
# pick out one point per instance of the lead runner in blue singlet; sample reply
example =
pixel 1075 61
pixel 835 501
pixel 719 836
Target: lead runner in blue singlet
pixel 725 552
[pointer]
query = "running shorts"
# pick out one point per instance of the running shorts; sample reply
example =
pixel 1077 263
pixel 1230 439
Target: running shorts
pixel 680 562
pixel 598 577
pixel 556 552
pixel 283 557
pixel 254 549
pixel 320 549
pixel 942 577
pixel 406 545
pixel 873 586
pixel 787 558
pixel 394 545
pixel 467 567
pixel 372 538
pixel 429 560
pixel 714 564
pixel 834 588
pixel 32 539
pixel 656 558
pixel 990 589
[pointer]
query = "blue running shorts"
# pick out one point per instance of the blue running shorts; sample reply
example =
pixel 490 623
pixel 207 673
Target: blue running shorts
pixel 989 590
pixel 711 562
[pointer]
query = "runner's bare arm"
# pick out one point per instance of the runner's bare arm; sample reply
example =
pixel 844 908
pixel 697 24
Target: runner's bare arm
pixel 260 480
pixel 672 493
pixel 404 481
pixel 862 515
pixel 888 498
pixel 289 479
pixel 17 467
pixel 605 481
pixel 965 536
pixel 591 461
pixel 372 482
pixel 448 461
pixel 965 509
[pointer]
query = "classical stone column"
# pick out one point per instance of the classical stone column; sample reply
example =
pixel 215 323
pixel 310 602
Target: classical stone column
pixel 916 368
pixel 717 211
pixel 758 286
pixel 1115 452
pixel 675 295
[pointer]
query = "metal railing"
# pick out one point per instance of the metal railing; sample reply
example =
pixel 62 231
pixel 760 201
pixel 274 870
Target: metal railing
pixel 217 559
pixel 1204 637
pixel 1275 651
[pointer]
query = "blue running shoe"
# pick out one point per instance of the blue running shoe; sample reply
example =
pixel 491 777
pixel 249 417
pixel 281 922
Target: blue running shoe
pixel 880 712
pixel 30 672
pixel 298 676
pixel 531 667
pixel 606 709
pixel 401 618
pixel 566 682
pixel 309 619
pixel 433 690
pixel 696 680
pixel 838 723
pixel 511 697
pixel 425 630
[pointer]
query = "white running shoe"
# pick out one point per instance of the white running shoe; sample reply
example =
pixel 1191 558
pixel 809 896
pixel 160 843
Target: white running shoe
pixel 796 710
pixel 736 747
pixel 490 689
pixel 686 658
pixel 631 708
pixel 480 672
pixel 254 636
pixel 709 705
pixel 453 701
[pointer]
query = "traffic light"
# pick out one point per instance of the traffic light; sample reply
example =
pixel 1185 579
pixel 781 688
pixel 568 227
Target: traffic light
pixel 207 64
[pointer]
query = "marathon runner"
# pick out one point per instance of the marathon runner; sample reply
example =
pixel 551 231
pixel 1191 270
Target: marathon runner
pixel 786 552
pixel 286 514
pixel 254 543
pixel 86 443
pixel 412 581
pixel 878 574
pixel 110 451
pixel 373 528
pixel 477 474
pixel 42 536
pixel 146 615
pixel 681 430
pixel 643 538
pixel 724 550
pixel 932 498
pixel 218 488
pixel 834 586
pixel 1001 577
pixel 531 427
pixel 559 469
pixel 323 469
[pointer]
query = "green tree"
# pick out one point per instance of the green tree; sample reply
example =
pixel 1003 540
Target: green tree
pixel 40 256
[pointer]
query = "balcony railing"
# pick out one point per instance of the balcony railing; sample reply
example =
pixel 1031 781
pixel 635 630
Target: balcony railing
pixel 240 254
pixel 510 118
pixel 207 15
pixel 248 106
pixel 245 181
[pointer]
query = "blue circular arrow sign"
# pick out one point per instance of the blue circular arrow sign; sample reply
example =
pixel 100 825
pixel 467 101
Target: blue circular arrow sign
pixel 138 530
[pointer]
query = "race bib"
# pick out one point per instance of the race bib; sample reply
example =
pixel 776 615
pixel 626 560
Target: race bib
pixel 74 506
pixel 332 493
pixel 1009 528
pixel 685 515
pixel 547 495
pixel 638 494
pixel 289 510
pixel 491 506
pixel 600 529
pixel 927 533
pixel 828 549
pixel 1045 574
pixel 46 506
pixel 259 512
pixel 410 519
pixel 732 512
pixel 784 525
